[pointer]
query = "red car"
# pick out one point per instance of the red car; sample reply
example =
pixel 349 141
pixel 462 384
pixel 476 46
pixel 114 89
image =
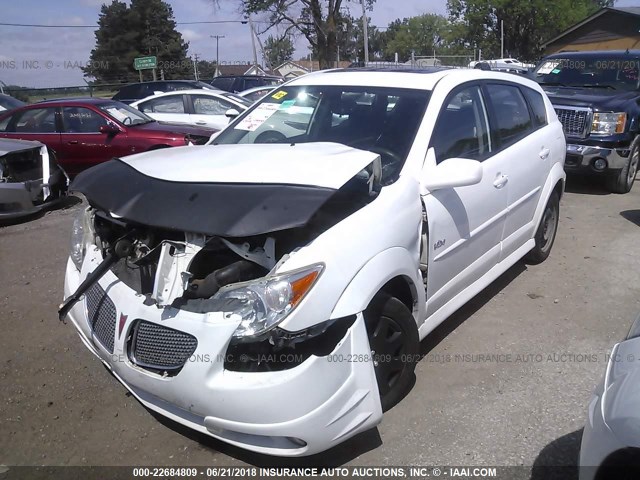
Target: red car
pixel 84 132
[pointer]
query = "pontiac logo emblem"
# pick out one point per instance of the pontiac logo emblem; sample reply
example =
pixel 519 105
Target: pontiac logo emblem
pixel 123 320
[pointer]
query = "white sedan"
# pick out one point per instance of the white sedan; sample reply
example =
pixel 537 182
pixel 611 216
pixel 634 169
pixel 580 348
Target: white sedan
pixel 194 107
pixel 273 295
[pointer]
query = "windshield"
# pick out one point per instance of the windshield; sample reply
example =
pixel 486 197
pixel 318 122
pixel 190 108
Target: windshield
pixel 381 120
pixel 237 98
pixel 125 114
pixel 612 73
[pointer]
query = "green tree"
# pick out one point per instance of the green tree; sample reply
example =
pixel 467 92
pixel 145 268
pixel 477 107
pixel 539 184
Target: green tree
pixel 319 21
pixel 278 50
pixel 147 27
pixel 527 23
pixel 421 35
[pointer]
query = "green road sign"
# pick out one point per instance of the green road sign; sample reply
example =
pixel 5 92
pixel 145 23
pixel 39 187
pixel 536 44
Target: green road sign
pixel 145 63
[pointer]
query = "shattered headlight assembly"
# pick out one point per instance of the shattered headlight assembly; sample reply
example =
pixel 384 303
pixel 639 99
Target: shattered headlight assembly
pixel 267 302
pixel 608 123
pixel 80 233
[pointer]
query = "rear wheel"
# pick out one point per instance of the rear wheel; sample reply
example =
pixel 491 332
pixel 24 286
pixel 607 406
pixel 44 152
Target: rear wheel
pixel 622 181
pixel 546 234
pixel 393 338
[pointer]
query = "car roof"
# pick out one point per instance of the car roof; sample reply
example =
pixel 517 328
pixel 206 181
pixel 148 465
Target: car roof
pixel 152 82
pixel 418 79
pixel 74 101
pixel 257 89
pixel 249 76
pixel 595 53
pixel 191 91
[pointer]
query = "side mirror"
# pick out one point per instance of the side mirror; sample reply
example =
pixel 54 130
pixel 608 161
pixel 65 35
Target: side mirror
pixel 109 129
pixel 453 172
pixel 231 113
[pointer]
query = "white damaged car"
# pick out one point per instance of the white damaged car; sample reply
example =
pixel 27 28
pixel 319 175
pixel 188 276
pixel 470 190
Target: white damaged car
pixel 271 290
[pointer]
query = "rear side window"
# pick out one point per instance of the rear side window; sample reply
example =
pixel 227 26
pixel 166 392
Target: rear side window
pixel 536 102
pixel 512 121
pixel 36 120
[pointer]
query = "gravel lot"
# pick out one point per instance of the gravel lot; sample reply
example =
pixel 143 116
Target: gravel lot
pixel 552 325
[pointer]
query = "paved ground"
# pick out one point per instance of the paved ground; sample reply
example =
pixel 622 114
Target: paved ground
pixel 553 325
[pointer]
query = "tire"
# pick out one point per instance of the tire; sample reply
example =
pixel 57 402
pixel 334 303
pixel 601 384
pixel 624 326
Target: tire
pixel 622 181
pixel 546 233
pixel 393 339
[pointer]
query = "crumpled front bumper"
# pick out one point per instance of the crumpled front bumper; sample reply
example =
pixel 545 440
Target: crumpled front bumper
pixel 295 412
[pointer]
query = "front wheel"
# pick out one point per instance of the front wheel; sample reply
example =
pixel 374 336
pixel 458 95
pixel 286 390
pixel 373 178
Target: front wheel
pixel 394 343
pixel 622 181
pixel 546 233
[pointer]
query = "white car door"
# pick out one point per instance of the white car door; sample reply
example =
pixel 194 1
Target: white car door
pixel 527 152
pixel 465 223
pixel 210 111
pixel 167 108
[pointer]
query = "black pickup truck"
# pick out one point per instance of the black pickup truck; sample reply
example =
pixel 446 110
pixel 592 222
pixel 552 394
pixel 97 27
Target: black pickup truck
pixel 596 96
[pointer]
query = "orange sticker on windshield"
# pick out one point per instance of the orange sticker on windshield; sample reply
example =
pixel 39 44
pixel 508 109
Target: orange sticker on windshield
pixel 279 95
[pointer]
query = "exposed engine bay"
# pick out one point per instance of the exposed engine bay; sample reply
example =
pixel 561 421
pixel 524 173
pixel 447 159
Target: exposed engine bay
pixel 185 270
pixel 180 269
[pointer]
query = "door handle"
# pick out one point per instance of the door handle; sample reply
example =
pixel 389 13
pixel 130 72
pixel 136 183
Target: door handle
pixel 201 122
pixel 501 181
pixel 544 153
pixel 72 142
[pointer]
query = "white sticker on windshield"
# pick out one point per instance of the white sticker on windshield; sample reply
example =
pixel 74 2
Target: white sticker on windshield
pixel 547 68
pixel 255 119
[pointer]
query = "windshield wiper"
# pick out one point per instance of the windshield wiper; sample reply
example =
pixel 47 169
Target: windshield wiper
pixel 595 85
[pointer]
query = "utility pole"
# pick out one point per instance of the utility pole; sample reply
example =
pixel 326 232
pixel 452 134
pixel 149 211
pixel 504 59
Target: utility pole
pixel 195 66
pixel 501 38
pixel 365 28
pixel 217 37
pixel 253 42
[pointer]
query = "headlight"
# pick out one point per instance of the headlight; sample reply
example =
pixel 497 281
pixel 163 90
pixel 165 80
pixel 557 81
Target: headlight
pixel 79 231
pixel 608 123
pixel 268 301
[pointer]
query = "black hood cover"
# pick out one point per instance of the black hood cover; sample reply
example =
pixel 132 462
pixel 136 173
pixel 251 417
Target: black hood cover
pixel 222 209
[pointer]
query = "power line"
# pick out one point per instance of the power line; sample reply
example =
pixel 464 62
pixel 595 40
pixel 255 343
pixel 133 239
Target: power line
pixel 39 25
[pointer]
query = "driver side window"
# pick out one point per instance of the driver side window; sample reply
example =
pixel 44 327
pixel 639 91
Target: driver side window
pixel 82 120
pixel 462 128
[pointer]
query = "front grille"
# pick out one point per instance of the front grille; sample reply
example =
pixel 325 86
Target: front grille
pixel 160 348
pixel 102 316
pixel 574 120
